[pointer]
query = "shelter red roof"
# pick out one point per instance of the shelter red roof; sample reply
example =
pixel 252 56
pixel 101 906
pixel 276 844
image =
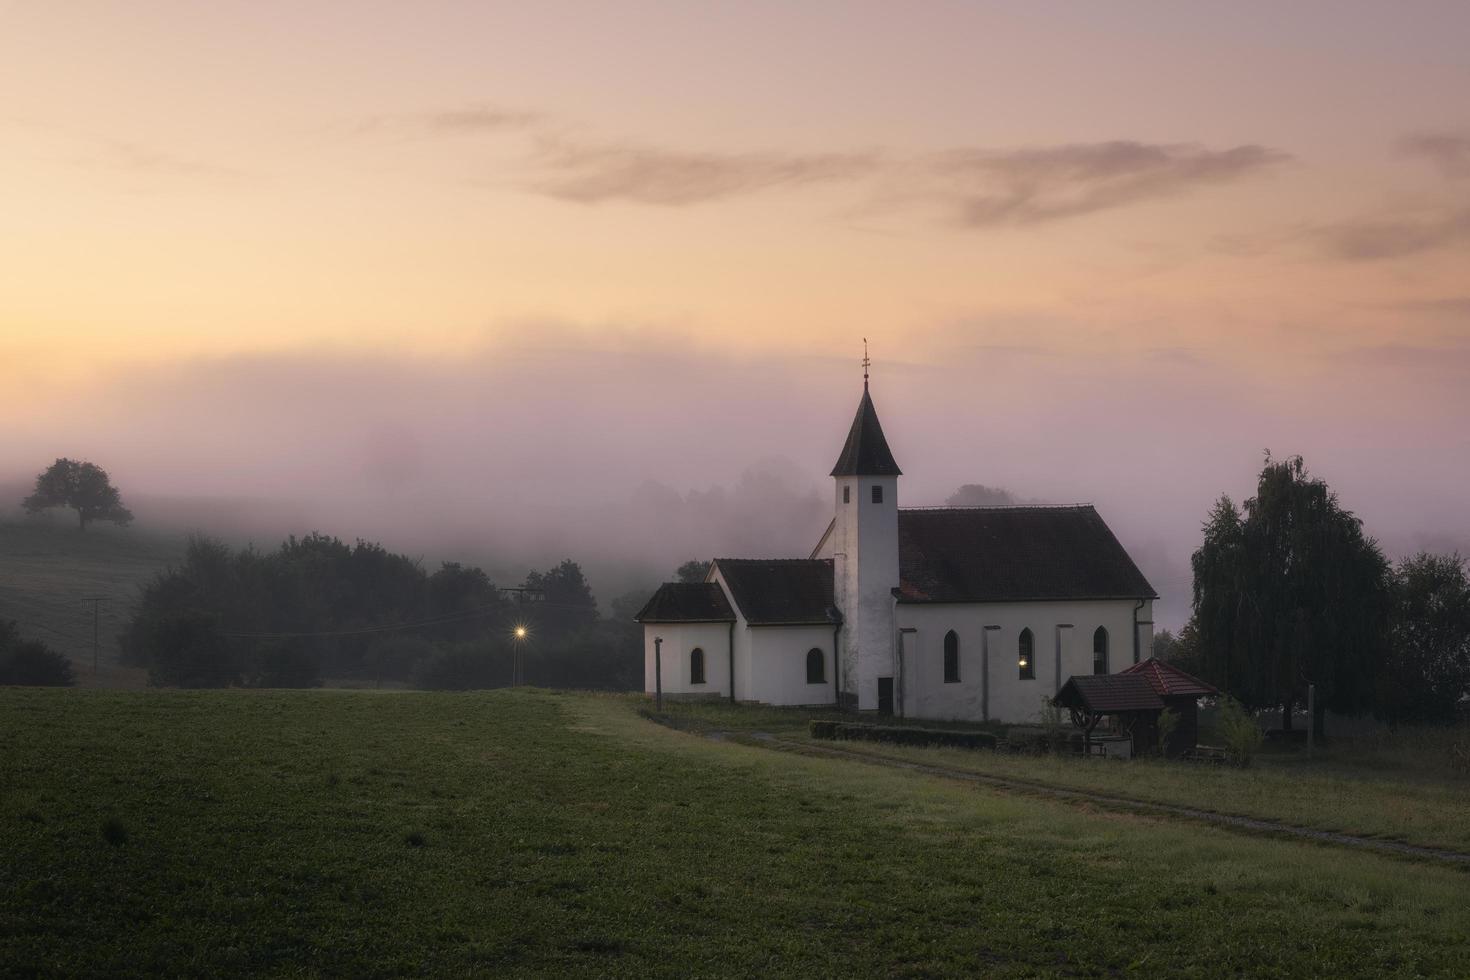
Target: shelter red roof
pixel 1108 694
pixel 1169 681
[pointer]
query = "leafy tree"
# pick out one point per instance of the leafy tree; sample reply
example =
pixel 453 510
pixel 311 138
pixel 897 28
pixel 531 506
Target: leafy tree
pixel 693 571
pixel 1428 669
pixel 1291 593
pixel 567 602
pixel 1180 649
pixel 81 486
pixel 186 650
pixel 31 662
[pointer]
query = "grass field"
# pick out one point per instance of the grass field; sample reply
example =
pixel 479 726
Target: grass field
pixel 1395 787
pixel 48 568
pixel 370 833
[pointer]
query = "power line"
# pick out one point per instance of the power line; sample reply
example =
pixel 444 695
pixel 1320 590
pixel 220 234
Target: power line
pixel 394 627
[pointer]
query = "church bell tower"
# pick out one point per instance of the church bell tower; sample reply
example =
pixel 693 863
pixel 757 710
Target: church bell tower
pixel 865 557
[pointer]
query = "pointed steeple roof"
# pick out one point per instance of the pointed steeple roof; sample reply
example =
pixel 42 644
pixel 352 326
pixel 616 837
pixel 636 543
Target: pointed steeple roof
pixel 866 452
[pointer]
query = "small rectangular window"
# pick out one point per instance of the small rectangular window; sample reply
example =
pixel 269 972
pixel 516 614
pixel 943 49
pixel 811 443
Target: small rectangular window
pixel 877 493
pixel 847 495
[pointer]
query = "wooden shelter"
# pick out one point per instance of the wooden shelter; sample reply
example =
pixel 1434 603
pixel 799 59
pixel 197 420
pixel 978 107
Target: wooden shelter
pixel 1180 692
pixel 1129 699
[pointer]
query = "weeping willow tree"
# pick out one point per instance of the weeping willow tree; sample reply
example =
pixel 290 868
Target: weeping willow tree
pixel 1289 592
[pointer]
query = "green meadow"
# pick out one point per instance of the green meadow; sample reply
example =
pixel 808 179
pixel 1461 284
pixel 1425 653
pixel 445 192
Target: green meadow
pixel 532 833
pixel 1399 786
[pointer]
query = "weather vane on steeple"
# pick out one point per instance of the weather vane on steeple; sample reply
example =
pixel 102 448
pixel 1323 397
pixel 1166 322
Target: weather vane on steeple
pixel 866 362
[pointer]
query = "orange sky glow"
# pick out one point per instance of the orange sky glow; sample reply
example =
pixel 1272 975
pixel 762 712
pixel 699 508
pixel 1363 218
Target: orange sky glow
pixel 1248 225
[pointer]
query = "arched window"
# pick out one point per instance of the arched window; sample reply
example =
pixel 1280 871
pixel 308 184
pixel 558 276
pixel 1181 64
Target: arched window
pixel 696 666
pixel 951 657
pixel 1100 651
pixel 1026 659
pixel 816 667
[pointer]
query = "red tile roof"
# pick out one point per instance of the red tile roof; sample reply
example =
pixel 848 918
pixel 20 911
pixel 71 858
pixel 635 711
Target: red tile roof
pixel 1107 694
pixel 1168 680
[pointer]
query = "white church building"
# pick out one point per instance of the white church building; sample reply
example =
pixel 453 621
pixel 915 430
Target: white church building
pixel 976 613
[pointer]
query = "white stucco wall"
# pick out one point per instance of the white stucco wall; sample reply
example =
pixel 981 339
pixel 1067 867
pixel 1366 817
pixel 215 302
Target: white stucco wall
pixel 864 545
pixel 778 664
pixel 922 692
pixel 679 640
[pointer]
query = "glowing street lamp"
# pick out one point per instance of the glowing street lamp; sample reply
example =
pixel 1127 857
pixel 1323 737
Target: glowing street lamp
pixel 518 635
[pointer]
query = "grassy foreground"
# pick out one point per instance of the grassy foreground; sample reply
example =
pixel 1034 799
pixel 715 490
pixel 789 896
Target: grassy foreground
pixel 369 833
pixel 1367 790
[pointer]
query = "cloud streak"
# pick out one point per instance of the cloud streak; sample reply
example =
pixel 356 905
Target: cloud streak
pixel 1392 238
pixel 476 118
pixel 597 173
pixel 1036 185
pixel 1450 152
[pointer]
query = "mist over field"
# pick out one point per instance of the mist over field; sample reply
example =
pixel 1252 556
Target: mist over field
pixel 632 457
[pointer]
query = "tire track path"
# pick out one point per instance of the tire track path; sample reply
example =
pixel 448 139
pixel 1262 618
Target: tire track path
pixel 1229 821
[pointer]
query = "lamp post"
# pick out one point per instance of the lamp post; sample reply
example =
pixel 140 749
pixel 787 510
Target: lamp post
pixel 658 673
pixel 518 635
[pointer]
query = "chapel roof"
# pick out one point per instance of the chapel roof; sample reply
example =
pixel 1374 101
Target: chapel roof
pixel 687 602
pixel 1106 694
pixel 1169 681
pixel 1015 554
pixel 779 591
pixel 866 451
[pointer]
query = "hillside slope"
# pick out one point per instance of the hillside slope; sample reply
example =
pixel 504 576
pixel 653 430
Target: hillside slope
pixel 48 571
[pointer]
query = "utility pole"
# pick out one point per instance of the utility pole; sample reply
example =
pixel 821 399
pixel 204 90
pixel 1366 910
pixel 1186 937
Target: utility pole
pixel 96 601
pixel 658 673
pixel 1311 717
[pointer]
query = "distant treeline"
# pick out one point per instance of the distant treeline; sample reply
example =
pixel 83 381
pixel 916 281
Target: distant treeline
pixel 317 608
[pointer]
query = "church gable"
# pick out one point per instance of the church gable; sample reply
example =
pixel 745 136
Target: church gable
pixel 780 591
pixel 687 602
pixel 1013 554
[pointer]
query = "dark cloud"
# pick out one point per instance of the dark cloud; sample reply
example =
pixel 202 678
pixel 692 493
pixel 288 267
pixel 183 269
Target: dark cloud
pixel 1450 152
pixel 594 173
pixel 1392 238
pixel 1032 186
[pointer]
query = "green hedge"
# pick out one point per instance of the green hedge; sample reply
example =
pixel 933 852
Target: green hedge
pixel 902 735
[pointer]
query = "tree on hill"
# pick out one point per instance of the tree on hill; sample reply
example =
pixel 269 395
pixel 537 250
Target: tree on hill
pixel 1289 593
pixel 81 486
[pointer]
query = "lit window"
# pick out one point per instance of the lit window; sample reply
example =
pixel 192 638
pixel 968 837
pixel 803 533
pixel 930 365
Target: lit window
pixel 696 666
pixel 1100 651
pixel 1026 659
pixel 951 657
pixel 816 667
pixel 877 493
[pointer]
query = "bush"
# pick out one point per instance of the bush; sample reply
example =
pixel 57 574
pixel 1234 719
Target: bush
pixel 823 729
pixel 1238 729
pixel 902 735
pixel 34 663
pixel 187 651
pixel 280 666
pixel 464 667
pixel 1168 725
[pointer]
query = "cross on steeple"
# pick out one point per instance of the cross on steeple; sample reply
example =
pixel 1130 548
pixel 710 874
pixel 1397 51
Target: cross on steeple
pixel 866 362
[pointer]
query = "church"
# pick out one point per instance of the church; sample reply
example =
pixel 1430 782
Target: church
pixel 973 613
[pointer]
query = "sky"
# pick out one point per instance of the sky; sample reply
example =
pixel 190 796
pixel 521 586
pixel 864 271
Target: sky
pixel 528 278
